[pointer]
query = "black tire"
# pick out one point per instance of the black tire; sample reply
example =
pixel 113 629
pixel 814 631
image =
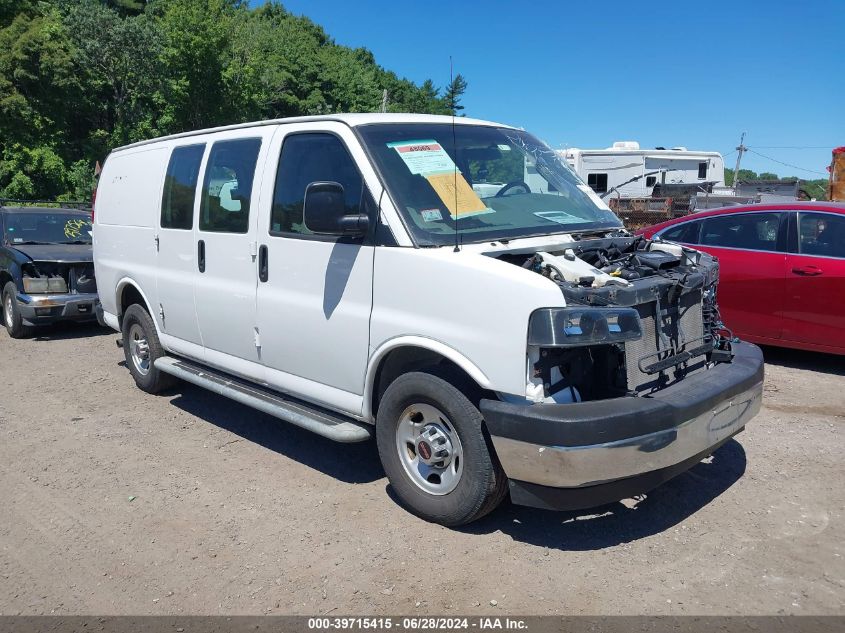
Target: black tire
pixel 153 380
pixel 14 322
pixel 482 484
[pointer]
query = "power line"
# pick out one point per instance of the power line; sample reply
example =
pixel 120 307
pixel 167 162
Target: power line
pixel 791 147
pixel 780 162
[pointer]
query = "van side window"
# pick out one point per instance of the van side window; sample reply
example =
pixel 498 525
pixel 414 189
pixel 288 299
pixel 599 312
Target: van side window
pixel 227 188
pixel 180 187
pixel 307 158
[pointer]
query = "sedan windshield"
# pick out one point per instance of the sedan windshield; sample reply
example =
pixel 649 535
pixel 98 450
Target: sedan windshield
pixel 484 183
pixel 60 227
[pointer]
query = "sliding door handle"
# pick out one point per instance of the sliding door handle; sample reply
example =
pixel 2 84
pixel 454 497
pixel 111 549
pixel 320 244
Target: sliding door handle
pixel 263 270
pixel 201 255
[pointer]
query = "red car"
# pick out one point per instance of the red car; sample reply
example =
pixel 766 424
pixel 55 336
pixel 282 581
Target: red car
pixel 782 269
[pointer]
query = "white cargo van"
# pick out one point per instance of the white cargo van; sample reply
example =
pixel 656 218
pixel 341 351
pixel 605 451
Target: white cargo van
pixel 451 287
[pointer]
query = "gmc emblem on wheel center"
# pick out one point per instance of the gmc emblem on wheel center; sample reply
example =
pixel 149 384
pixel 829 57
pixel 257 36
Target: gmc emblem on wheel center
pixel 424 449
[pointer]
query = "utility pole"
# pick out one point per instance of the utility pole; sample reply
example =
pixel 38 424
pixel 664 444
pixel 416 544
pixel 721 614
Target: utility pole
pixel 739 150
pixel 384 101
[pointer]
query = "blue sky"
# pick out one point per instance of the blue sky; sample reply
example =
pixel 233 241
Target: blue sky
pixel 585 74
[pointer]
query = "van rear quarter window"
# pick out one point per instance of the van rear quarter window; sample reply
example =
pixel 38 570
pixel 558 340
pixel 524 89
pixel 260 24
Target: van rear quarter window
pixel 227 187
pixel 180 187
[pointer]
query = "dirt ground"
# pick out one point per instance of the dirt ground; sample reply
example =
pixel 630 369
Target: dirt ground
pixel 116 502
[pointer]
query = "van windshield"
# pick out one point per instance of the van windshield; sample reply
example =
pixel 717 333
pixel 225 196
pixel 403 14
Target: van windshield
pixel 48 228
pixel 485 182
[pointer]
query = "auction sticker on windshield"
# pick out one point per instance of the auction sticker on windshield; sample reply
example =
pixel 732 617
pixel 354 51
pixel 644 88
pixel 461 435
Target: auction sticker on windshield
pixel 423 157
pixel 428 159
pixel 560 217
pixel 455 192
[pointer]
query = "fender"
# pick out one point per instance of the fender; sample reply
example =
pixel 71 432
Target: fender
pixel 423 342
pixel 128 281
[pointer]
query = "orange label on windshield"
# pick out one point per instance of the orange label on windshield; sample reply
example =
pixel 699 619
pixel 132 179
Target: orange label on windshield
pixel 457 195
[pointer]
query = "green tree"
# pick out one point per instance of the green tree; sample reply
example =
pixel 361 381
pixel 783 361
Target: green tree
pixel 127 7
pixel 744 174
pixel 454 91
pixel 120 59
pixel 40 91
pixel 80 77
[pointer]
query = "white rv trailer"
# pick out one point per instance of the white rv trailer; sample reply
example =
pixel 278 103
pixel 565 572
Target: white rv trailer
pixel 634 172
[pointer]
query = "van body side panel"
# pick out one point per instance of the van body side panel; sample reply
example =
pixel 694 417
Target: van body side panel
pixel 128 200
pixel 129 191
pixel 475 304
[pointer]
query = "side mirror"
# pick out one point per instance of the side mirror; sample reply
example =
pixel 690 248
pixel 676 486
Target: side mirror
pixel 324 211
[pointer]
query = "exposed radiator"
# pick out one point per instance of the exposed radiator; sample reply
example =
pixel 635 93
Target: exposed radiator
pixel 680 328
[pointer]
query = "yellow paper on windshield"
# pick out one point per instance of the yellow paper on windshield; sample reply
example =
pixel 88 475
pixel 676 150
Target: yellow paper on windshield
pixel 457 195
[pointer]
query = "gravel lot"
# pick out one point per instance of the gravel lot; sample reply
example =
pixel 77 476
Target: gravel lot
pixel 117 502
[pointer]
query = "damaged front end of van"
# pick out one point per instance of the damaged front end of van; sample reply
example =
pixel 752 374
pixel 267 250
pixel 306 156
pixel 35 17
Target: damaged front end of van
pixel 633 382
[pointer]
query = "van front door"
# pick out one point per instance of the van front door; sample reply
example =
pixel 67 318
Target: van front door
pixel 315 292
pixel 225 255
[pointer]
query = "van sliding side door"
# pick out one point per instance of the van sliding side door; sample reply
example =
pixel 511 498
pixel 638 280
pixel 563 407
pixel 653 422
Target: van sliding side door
pixel 225 246
pixel 176 251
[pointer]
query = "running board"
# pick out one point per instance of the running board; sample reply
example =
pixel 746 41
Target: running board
pixel 320 421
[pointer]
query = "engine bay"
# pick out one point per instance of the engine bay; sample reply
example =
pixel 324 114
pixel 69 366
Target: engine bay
pixel 672 289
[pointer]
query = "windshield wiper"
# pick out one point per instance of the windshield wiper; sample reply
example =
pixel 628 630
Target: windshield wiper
pixel 31 242
pixel 76 242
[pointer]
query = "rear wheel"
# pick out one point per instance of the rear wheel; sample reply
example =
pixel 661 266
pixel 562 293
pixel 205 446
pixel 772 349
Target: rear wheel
pixel 12 315
pixel 141 348
pixel 435 451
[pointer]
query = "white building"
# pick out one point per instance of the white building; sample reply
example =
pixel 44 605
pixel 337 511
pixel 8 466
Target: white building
pixel 634 172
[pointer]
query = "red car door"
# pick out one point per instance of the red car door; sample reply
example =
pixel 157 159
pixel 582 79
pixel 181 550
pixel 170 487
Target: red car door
pixel 751 248
pixel 814 312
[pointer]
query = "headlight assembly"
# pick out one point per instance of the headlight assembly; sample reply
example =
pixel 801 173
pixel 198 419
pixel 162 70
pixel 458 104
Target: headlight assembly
pixel 44 285
pixel 579 326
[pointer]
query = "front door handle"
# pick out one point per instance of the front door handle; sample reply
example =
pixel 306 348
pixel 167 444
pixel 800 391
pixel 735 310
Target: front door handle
pixel 263 270
pixel 807 271
pixel 201 255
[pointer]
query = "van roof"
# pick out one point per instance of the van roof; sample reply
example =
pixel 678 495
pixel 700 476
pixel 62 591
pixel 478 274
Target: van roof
pixel 352 120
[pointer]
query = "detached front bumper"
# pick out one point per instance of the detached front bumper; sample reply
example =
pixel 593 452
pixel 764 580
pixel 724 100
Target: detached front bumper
pixel 44 309
pixel 572 456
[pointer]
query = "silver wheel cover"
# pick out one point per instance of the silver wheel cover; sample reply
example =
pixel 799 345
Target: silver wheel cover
pixel 139 349
pixel 429 449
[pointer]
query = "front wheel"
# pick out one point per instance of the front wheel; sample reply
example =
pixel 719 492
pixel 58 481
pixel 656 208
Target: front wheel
pixel 141 348
pixel 12 315
pixel 435 451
